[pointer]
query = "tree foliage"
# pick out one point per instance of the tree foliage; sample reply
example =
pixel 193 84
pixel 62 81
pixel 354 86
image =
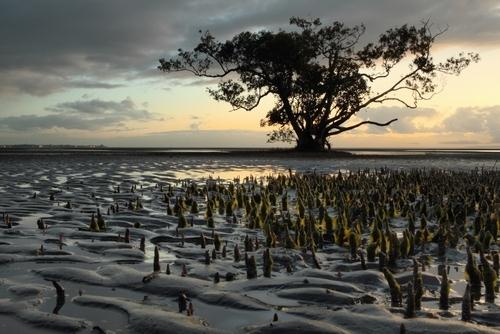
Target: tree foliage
pixel 319 75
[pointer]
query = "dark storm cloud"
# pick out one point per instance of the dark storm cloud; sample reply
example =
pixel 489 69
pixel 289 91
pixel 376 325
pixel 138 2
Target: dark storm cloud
pixel 46 44
pixel 80 115
pixel 469 21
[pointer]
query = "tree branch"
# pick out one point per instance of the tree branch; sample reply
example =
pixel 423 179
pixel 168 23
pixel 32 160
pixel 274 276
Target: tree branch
pixel 406 104
pixel 347 128
pixel 391 89
pixel 237 106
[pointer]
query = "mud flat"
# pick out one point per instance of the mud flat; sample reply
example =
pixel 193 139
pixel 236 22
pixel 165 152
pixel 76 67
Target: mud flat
pixel 253 244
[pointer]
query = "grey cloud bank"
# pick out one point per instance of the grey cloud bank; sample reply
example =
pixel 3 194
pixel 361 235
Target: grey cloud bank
pixel 46 45
pixel 79 115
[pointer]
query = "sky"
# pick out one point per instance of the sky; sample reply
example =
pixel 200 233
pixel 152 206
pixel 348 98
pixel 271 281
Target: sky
pixel 83 72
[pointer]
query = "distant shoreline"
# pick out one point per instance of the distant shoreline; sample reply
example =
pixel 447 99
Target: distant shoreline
pixel 358 153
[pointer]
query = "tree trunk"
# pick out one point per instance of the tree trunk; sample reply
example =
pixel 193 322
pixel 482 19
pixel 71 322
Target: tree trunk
pixel 307 143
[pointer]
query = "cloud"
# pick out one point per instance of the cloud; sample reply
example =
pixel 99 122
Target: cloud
pixel 196 121
pixel 475 120
pixel 183 79
pixel 194 126
pixel 124 108
pixel 406 123
pixel 94 84
pixel 80 115
pixel 46 45
pixel 70 122
pixel 471 120
pixel 40 84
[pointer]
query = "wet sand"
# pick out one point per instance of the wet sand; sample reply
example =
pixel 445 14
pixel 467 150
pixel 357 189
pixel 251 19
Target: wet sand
pixel 103 276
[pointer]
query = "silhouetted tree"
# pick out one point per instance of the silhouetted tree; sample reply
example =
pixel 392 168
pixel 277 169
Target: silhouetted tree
pixel 318 74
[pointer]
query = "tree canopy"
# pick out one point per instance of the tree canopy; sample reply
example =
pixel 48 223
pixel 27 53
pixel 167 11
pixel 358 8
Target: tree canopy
pixel 319 75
